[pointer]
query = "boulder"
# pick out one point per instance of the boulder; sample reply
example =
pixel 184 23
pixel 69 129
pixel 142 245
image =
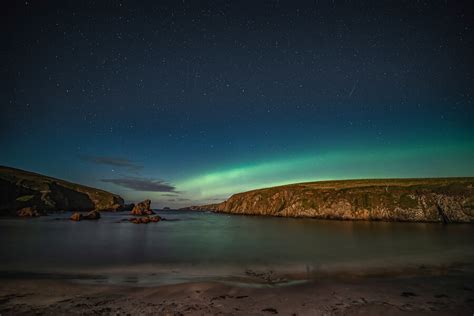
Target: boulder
pixel 145 220
pixel 92 215
pixel 142 208
pixel 137 220
pixel 155 219
pixel 76 217
pixel 28 212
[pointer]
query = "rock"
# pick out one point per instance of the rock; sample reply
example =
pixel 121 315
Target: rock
pixel 92 215
pixel 76 217
pixel 444 200
pixel 166 208
pixel 142 208
pixel 155 219
pixel 145 220
pixel 28 212
pixel 142 220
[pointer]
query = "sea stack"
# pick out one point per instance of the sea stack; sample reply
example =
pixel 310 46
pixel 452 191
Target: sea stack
pixel 143 208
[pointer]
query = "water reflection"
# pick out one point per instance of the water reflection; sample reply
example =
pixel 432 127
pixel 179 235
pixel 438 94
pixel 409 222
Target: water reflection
pixel 219 239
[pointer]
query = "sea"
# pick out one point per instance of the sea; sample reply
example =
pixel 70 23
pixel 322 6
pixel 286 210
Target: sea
pixel 192 246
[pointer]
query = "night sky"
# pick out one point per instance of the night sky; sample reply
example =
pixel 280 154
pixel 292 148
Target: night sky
pixel 188 102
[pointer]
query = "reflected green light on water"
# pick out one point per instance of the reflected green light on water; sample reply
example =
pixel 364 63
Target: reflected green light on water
pixel 207 239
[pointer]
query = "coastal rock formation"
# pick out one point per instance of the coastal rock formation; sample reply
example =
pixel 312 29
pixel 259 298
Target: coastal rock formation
pixel 413 200
pixel 76 217
pixel 92 215
pixel 145 220
pixel 142 208
pixel 28 212
pixel 20 189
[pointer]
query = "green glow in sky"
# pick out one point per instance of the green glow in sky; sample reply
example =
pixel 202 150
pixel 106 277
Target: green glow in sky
pixel 433 160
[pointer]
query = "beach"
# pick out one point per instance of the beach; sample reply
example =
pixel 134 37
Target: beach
pixel 200 263
pixel 448 292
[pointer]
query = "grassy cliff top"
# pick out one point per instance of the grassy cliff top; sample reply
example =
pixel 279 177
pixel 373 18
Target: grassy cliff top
pixel 46 185
pixel 362 183
pixel 41 181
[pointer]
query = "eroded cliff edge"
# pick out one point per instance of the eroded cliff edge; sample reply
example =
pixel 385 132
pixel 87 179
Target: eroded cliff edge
pixel 414 200
pixel 19 188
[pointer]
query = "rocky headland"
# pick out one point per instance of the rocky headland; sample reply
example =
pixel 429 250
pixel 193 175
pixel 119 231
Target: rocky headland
pixel 446 200
pixel 28 194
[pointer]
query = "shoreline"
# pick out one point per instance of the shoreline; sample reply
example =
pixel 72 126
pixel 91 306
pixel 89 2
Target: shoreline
pixel 322 219
pixel 209 265
pixel 449 293
pixel 252 275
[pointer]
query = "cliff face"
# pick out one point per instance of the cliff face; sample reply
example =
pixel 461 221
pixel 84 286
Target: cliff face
pixel 414 200
pixel 19 188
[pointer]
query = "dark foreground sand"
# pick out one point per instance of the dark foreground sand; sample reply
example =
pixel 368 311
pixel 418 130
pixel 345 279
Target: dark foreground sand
pixel 376 295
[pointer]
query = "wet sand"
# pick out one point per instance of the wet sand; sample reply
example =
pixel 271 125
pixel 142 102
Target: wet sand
pixel 450 293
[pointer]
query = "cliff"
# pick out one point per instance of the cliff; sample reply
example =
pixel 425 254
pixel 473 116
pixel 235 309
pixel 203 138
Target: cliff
pixel 19 189
pixel 413 200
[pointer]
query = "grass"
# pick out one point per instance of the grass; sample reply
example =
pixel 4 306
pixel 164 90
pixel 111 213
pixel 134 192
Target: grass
pixel 25 198
pixel 369 184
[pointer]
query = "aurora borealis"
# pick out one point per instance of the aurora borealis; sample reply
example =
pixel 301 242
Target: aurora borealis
pixel 349 164
pixel 187 103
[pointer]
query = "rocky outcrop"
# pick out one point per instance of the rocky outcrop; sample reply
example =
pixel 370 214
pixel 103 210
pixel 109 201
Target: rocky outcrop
pixel 145 220
pixel 76 217
pixel 142 208
pixel 92 215
pixel 28 212
pixel 413 200
pixel 20 189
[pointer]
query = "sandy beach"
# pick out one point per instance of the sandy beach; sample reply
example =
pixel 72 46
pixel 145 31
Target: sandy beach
pixel 449 292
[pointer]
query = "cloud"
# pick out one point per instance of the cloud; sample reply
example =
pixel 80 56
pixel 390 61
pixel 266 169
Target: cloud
pixel 142 184
pixel 169 194
pixel 112 161
pixel 179 200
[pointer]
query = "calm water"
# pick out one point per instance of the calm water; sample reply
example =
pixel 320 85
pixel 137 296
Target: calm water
pixel 193 240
